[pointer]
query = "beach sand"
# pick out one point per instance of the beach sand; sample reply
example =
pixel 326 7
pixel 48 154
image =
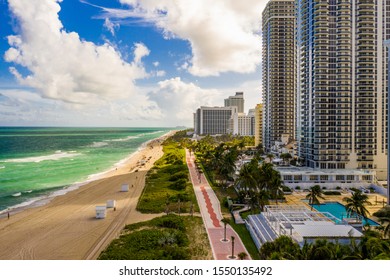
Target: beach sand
pixel 66 227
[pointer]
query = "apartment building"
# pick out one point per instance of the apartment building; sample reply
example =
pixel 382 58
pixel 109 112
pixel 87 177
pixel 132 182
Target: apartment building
pixel 342 83
pixel 279 71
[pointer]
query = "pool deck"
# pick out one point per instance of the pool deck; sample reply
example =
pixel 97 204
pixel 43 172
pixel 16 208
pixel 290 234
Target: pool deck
pixel 376 201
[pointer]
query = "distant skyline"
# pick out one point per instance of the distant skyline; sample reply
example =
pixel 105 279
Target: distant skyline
pixel 125 62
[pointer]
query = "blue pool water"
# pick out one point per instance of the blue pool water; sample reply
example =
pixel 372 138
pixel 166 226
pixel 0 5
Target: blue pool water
pixel 338 210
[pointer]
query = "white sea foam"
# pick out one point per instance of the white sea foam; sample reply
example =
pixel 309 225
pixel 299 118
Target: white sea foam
pixel 98 144
pixel 123 139
pixel 56 156
pixel 151 133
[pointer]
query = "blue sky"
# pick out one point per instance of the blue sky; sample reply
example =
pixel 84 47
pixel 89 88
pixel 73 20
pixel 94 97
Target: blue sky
pixel 125 62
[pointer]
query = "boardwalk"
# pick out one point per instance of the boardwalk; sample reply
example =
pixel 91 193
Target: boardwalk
pixel 212 216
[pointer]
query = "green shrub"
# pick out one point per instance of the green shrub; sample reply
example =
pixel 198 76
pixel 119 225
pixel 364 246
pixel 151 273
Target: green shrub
pixel 175 168
pixel 338 188
pixel 171 158
pixel 170 221
pixel 384 212
pixel 297 187
pixel 179 185
pixel 332 193
pixel 179 175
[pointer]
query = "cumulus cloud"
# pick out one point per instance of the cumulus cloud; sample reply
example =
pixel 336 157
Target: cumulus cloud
pixel 25 107
pixel 160 73
pixel 110 26
pixel 140 50
pixel 178 99
pixel 61 65
pixel 223 34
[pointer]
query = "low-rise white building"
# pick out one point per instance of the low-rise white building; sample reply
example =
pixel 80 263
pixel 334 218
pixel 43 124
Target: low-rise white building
pixel 300 223
pixel 306 177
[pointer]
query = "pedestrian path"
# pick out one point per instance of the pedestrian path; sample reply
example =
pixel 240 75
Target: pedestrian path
pixel 210 210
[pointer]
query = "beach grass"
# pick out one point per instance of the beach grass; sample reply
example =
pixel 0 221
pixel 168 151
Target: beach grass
pixel 169 237
pixel 167 187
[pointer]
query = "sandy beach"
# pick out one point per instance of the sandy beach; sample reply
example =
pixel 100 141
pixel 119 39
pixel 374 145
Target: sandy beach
pixel 66 227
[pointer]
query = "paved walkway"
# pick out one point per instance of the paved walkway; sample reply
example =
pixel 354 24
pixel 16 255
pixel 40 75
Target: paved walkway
pixel 212 216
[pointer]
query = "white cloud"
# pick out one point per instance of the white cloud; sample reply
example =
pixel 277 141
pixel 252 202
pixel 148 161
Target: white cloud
pixel 156 64
pixel 63 66
pixel 178 100
pixel 110 26
pixel 160 73
pixel 25 107
pixel 140 50
pixel 223 34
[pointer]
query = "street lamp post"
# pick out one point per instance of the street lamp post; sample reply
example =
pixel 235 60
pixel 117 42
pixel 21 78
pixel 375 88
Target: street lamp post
pixel 232 256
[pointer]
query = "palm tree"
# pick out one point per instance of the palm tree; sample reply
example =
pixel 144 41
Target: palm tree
pixel 356 204
pixel 246 180
pixel 263 198
pixel 270 157
pixel 225 221
pixel 275 185
pixel 242 255
pixel 286 157
pixel 266 174
pixel 314 194
pixel 385 222
pixel 227 165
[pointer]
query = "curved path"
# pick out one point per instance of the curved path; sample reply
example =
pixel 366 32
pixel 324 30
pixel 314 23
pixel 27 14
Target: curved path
pixel 212 216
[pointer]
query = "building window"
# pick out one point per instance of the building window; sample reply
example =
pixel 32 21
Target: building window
pixel 297 177
pixel 340 177
pixel 287 177
pixel 324 177
pixel 313 177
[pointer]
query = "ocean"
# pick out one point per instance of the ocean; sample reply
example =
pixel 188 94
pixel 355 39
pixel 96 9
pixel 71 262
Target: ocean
pixel 37 163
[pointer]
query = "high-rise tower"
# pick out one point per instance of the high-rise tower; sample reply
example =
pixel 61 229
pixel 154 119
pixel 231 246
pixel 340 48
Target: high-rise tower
pixel 279 69
pixel 236 100
pixel 343 85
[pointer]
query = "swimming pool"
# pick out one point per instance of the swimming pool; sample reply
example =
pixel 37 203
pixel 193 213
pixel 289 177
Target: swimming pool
pixel 338 210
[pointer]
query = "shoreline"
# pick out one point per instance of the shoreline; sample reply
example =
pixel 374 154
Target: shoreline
pixel 66 227
pixel 112 170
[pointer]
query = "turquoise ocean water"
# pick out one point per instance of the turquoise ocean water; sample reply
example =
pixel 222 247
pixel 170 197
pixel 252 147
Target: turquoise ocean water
pixel 37 162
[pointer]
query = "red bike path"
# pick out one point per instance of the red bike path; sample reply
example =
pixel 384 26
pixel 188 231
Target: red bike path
pixel 210 210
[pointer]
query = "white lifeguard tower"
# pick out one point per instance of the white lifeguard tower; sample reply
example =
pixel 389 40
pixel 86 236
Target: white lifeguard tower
pixel 101 212
pixel 125 188
pixel 111 203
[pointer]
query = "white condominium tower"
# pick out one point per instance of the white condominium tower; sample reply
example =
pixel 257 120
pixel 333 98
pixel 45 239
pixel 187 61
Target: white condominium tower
pixel 342 83
pixel 279 71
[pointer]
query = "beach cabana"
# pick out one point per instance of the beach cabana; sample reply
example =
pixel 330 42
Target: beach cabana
pixel 111 203
pixel 101 212
pixel 125 188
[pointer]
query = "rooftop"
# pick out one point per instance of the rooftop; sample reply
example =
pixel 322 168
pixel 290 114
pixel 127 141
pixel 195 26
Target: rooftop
pixel 326 229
